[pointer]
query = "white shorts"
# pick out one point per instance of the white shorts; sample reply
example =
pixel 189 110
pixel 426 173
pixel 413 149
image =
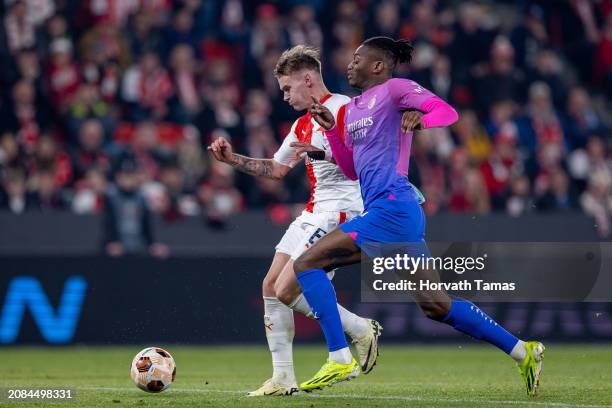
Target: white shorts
pixel 308 228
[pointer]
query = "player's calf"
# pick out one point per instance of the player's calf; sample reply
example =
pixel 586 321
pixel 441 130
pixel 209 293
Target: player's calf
pixel 287 292
pixel 435 309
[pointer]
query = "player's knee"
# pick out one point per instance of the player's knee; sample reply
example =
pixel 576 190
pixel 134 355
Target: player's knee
pixel 435 310
pixel 284 293
pixel 267 286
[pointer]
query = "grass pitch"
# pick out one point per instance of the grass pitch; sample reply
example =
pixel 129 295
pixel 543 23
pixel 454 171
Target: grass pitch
pixel 410 375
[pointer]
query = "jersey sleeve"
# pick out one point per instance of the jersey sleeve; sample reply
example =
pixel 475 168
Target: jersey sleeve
pixel 285 154
pixel 407 94
pixel 338 110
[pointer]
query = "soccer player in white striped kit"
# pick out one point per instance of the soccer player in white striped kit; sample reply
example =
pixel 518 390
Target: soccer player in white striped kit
pixel 333 200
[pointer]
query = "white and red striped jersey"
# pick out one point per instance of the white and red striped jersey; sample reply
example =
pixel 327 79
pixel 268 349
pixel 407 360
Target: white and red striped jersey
pixel 330 190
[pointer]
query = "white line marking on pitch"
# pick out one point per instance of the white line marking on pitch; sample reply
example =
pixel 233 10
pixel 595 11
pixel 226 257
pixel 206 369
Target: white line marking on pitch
pixel 371 397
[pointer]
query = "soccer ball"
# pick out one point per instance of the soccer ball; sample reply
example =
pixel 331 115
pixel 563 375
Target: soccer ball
pixel 153 369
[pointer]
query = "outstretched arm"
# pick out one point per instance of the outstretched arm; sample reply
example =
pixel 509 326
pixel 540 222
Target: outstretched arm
pixel 221 149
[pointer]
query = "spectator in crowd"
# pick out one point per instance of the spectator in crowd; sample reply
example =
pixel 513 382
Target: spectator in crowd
pixel 541 124
pixel 90 151
pixel 472 136
pixel 48 155
pixel 46 195
pixel 147 148
pixel 438 77
pixel 500 79
pixel 233 24
pixel 218 196
pixel 467 189
pixel 302 28
pixel 104 42
pixel 141 34
pixel 28 68
pixel 88 104
pixel 596 201
pixel 428 166
pixel 186 103
pixel 470 48
pixel 548 69
pixel 603 60
pixel 519 201
pixel 503 165
pixel 26 116
pixel 549 160
pixel 335 71
pixel 179 32
pixel 9 151
pixel 267 32
pixel 582 120
pixel 128 225
pixel 557 195
pixel 62 75
pixel 90 192
pixel 220 111
pixel 55 27
pixel 19 26
pixel 13 196
pixel 147 87
pixel 177 201
pixel 530 37
pixel 347 30
pixel 191 158
pixel 385 20
pixel 589 160
pixel 425 27
pixel 501 122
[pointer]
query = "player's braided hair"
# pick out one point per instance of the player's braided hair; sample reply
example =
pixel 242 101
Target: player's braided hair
pixel 396 51
pixel 297 58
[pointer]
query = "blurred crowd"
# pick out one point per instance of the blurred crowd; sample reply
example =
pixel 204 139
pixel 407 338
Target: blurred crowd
pixel 94 91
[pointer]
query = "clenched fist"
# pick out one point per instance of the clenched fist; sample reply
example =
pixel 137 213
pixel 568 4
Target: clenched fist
pixel 221 149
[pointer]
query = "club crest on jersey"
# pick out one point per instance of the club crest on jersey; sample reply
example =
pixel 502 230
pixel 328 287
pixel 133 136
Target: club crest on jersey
pixel 372 102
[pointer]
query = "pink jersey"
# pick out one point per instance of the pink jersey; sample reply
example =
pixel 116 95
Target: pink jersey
pixel 375 150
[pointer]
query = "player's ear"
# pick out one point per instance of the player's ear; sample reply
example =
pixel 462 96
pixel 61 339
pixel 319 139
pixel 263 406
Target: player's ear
pixel 378 67
pixel 308 79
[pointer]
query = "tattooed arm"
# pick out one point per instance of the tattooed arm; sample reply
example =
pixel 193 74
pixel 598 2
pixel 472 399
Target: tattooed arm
pixel 221 149
pixel 259 167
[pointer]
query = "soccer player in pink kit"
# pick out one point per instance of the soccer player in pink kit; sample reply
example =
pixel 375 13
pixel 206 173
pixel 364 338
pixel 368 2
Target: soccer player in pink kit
pixel 371 142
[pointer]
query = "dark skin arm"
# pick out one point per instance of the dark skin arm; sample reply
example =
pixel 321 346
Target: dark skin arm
pixel 411 120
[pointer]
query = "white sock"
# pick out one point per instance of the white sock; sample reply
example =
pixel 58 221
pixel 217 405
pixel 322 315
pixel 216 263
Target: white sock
pixel 342 356
pixel 301 305
pixel 280 330
pixel 519 352
pixel 353 325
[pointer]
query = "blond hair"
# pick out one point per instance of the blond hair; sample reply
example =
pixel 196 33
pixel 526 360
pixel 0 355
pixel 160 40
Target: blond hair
pixel 298 58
